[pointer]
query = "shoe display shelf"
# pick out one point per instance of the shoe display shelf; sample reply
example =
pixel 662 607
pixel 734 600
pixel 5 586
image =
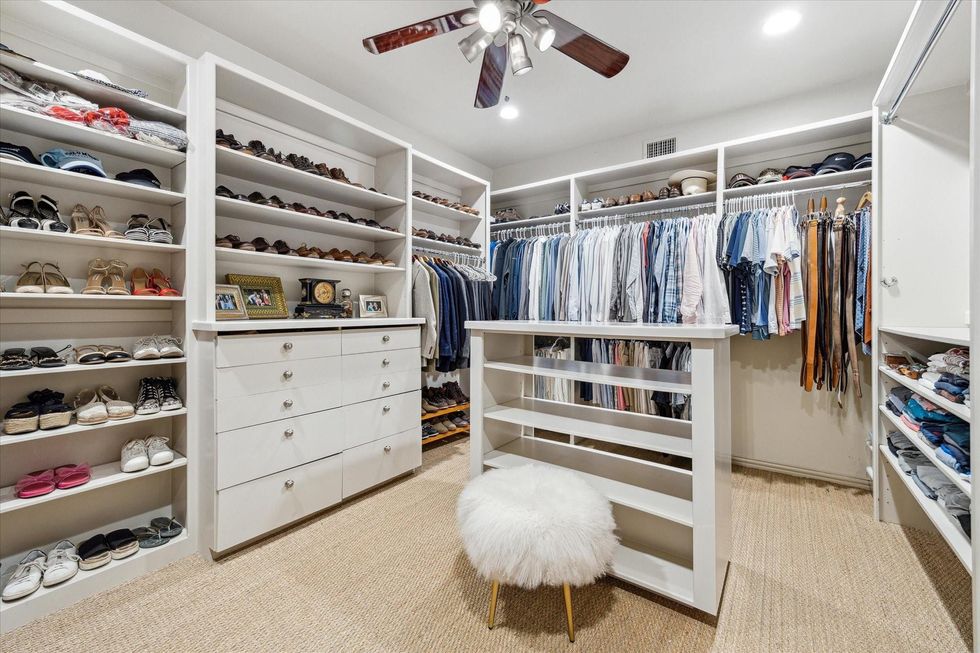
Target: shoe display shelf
pixel 48 31
pixel 463 407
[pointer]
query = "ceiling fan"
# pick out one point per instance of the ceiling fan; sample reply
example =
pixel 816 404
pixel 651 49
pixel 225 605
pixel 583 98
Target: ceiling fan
pixel 499 38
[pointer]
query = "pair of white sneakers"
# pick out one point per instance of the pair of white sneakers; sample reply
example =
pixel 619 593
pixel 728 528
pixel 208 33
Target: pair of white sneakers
pixel 138 455
pixel 37 569
pixel 153 347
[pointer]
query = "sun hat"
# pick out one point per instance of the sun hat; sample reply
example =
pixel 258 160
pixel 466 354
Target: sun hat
pixel 692 181
pixel 73 160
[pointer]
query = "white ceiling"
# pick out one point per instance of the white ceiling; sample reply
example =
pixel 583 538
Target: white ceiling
pixel 688 60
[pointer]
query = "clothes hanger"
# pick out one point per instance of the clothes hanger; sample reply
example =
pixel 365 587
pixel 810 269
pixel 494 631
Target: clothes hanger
pixel 840 211
pixel 864 201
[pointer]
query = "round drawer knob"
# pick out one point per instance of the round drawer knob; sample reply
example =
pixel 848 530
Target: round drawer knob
pixel 386 362
pixel 290 483
pixel 388 448
pixel 288 433
pixel 385 338
pixel 288 374
pixel 386 408
pixel 386 385
pixel 288 403
pixel 287 346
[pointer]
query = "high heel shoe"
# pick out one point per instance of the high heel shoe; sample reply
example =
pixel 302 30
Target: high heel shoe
pixel 31 280
pixel 97 270
pixel 117 278
pixel 141 283
pixel 162 284
pixel 102 223
pixel 55 283
pixel 81 222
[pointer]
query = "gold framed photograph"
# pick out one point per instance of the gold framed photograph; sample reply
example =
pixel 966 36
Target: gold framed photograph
pixel 373 305
pixel 229 303
pixel 263 296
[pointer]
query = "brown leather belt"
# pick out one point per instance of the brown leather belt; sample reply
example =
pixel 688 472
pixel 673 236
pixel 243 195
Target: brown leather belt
pixel 812 296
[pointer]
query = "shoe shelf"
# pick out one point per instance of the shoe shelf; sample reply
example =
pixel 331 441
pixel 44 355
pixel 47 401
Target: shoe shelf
pixel 446 411
pixel 260 258
pixel 102 476
pixel 958 336
pixel 74 428
pixel 272 215
pixel 654 573
pixel 269 173
pixel 101 367
pixel 83 137
pixel 960 410
pixel 632 377
pixel 420 205
pixel 927 450
pixel 54 300
pixel 443 436
pixel 57 238
pixel 32 174
pixel 429 243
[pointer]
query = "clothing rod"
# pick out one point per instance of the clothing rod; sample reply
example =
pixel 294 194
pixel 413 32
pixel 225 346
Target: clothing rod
pixel 888 117
pixel 638 214
pixel 794 193
pixel 446 254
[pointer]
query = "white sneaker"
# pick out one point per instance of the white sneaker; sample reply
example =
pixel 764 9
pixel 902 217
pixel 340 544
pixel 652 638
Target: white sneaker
pixel 146 349
pixel 169 346
pixel 135 457
pixel 62 563
pixel 26 577
pixel 158 451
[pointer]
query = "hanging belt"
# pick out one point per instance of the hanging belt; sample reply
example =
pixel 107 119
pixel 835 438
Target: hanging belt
pixel 851 253
pixel 834 315
pixel 812 296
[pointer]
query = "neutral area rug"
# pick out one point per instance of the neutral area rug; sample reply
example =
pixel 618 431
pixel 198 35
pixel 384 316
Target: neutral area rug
pixel 811 571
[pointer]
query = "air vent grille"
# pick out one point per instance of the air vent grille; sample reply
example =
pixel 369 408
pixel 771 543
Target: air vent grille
pixel 653 149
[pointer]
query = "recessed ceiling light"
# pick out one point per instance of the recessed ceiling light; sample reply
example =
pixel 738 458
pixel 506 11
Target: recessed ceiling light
pixel 781 22
pixel 509 112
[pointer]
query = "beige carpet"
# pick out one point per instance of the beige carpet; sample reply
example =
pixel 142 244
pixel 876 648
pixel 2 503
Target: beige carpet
pixel 811 572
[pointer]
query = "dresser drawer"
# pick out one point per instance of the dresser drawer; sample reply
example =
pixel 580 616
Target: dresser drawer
pixel 371 420
pixel 376 362
pixel 246 454
pixel 251 380
pixel 376 462
pixel 239 412
pixel 358 388
pixel 275 347
pixel 251 509
pixel 358 341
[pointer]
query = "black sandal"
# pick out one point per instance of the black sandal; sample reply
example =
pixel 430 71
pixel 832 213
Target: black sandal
pixel 47 357
pixel 23 210
pixel 14 359
pixel 47 209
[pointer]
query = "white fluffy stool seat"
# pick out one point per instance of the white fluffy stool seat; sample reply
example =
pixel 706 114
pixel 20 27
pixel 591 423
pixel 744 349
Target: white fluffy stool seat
pixel 535 525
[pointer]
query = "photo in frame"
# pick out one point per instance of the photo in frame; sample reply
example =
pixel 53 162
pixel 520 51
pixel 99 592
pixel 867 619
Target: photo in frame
pixel 263 296
pixel 229 303
pixel 373 305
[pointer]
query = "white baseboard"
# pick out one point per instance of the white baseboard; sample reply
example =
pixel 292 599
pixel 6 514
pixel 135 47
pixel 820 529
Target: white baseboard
pixel 850 481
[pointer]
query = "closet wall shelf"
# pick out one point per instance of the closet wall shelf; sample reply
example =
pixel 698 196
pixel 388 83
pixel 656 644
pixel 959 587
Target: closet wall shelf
pixel 959 336
pixel 926 449
pixel 654 573
pixel 75 240
pixel 79 428
pixel 449 247
pixel 951 532
pixel 231 326
pixel 425 206
pixel 670 202
pixel 103 367
pixel 446 411
pixel 250 168
pixel 49 300
pixel 809 184
pixel 531 222
pixel 83 137
pixel 960 410
pixel 104 96
pixel 271 215
pixel 29 173
pixel 618 427
pixel 102 476
pixel 443 436
pixel 279 260
pixel 525 451
pixel 631 377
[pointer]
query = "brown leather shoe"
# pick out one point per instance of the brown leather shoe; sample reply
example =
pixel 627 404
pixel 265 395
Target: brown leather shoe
pixel 338 174
pixel 347 256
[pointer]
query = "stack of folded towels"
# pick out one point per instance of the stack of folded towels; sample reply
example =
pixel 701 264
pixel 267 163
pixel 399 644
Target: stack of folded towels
pixel 949 375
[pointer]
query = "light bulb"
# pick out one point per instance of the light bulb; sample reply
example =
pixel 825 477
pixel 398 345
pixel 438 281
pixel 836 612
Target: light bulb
pixel 509 112
pixel 781 22
pixel 490 17
pixel 542 34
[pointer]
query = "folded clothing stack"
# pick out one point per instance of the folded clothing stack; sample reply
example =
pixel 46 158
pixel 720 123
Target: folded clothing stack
pixel 946 434
pixel 948 375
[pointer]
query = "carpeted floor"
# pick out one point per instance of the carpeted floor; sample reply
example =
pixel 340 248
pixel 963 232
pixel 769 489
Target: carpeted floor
pixel 811 572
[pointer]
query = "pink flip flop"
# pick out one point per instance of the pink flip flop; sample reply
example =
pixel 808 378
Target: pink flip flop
pixel 69 476
pixel 35 484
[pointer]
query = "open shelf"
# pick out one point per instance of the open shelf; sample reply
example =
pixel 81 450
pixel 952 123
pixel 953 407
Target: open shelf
pixel 652 205
pixel 950 531
pixel 446 411
pixel 269 173
pixel 531 222
pixel 525 451
pixel 81 136
pixel 960 410
pixel 443 436
pixel 264 258
pixel 603 374
pixel 102 476
pixel 76 240
pixel 103 367
pixel 272 215
pixel 449 247
pixel 631 429
pixel 811 184
pixel 926 449
pixel 74 428
pixel 425 206
pixel 30 173
pixel 654 573
pixel 959 336
pixel 51 300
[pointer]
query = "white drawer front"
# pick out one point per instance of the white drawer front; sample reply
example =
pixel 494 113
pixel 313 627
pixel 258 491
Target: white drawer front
pixel 251 509
pixel 358 341
pixel 251 380
pixel 246 454
pixel 365 387
pixel 376 462
pixel 239 412
pixel 371 420
pixel 378 362
pixel 275 347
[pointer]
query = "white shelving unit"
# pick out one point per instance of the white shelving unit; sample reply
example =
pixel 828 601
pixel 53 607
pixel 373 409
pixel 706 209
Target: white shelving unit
pixel 672 514
pixel 48 32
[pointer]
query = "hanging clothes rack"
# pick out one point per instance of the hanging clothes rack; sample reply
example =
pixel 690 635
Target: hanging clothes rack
pixel 552 229
pixel 677 211
pixel 780 198
pixel 456 257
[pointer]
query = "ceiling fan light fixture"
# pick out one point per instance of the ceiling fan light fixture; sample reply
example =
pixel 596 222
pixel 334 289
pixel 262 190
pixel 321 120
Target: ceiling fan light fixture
pixel 473 45
pixel 520 63
pixel 491 17
pixel 542 34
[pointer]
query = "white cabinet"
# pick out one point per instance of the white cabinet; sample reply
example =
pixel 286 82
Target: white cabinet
pixel 375 462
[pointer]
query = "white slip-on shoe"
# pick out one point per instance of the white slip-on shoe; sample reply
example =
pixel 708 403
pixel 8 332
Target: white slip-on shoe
pixel 26 577
pixel 157 450
pixel 134 456
pixel 62 563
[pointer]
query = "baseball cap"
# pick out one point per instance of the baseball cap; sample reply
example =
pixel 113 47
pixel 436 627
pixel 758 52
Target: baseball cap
pixel 140 177
pixel 836 162
pixel 73 160
pixel 798 172
pixel 864 161
pixel 17 153
pixel 740 180
pixel 770 175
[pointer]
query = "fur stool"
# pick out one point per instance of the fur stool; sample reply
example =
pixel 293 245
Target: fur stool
pixel 536 525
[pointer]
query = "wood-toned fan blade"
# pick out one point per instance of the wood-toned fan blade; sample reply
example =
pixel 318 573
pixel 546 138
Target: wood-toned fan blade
pixel 584 48
pixel 491 77
pixel 420 31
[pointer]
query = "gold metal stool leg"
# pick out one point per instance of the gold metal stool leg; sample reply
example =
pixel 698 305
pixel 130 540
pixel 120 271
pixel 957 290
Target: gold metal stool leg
pixel 568 611
pixel 493 603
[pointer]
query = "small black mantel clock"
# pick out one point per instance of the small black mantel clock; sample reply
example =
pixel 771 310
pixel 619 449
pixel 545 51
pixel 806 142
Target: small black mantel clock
pixel 319 299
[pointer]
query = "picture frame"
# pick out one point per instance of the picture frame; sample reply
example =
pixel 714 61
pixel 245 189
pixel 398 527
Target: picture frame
pixel 263 297
pixel 373 306
pixel 229 303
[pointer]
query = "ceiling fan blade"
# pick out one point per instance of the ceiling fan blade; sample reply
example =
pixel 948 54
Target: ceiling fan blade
pixel 491 76
pixel 584 48
pixel 425 29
